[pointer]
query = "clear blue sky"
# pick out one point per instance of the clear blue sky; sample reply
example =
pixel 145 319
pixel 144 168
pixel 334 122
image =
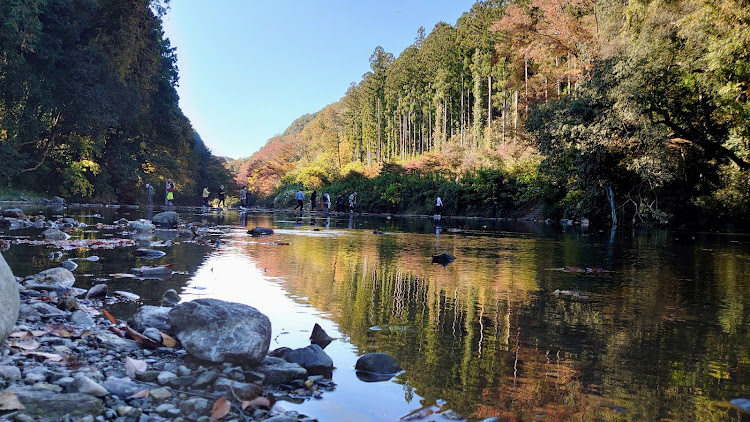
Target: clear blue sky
pixel 249 68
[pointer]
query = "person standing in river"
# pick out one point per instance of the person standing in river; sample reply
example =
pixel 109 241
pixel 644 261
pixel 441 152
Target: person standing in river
pixel 243 197
pixel 313 200
pixel 170 193
pixel 438 206
pixel 352 201
pixel 221 194
pixel 326 204
pixel 150 191
pixel 300 197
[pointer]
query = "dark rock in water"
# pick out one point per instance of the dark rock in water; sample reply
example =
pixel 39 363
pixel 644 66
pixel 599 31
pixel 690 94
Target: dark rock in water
pixel 170 298
pixel 370 377
pixel 99 290
pixel 443 259
pixel 320 337
pixel 260 231
pixel 69 265
pixel 57 200
pixel 168 219
pixel 377 363
pixel 9 299
pixel 219 331
pixel 152 317
pixel 312 358
pixel 149 253
pixel 13 213
pixel 54 406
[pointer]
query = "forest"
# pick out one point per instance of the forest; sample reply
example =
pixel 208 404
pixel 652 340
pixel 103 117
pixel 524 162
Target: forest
pixel 630 113
pixel 88 105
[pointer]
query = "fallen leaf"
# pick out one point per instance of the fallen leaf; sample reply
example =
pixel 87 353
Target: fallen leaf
pixel 168 340
pixel 109 316
pixel 141 339
pixel 257 402
pixel 221 409
pixel 26 344
pixel 134 365
pixel 49 356
pixel 139 395
pixel 9 401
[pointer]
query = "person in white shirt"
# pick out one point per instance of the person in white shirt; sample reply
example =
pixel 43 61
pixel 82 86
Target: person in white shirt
pixel 438 206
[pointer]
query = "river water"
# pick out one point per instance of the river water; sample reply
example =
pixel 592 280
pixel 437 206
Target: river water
pixel 529 322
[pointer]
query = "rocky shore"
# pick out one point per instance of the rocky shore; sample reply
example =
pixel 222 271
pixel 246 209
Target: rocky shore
pixel 65 358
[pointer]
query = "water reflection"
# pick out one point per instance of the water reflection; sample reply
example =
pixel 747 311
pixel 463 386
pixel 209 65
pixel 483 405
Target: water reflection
pixel 502 331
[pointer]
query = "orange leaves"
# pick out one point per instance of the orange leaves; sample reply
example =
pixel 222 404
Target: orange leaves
pixel 221 408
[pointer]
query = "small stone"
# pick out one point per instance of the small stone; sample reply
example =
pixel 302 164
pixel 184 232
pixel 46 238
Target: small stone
pixel 165 377
pixel 164 408
pixel 85 385
pixel 160 394
pixel 124 410
pixel 11 373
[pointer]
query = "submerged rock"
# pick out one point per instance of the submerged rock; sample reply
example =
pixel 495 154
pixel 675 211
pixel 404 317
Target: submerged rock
pixel 149 253
pixel 166 219
pixel 9 300
pixel 443 258
pixel 219 331
pixel 55 234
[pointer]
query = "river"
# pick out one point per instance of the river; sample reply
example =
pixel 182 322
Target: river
pixel 529 322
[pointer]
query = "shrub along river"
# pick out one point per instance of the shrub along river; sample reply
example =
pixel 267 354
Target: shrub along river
pixel 529 322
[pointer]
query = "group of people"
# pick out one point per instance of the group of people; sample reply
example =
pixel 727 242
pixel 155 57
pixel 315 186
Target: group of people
pixel 300 198
pixel 170 192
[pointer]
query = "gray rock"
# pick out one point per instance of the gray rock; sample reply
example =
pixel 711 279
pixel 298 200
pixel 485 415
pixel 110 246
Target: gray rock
pixel 280 418
pixel 219 331
pixel 99 290
pixel 11 373
pixel 278 371
pixel 197 405
pixel 166 377
pixel 112 341
pixel 82 319
pixel 54 278
pixel 153 334
pixel 168 219
pixel 46 309
pixel 160 394
pixel 141 226
pixel 170 298
pixel 377 363
pixel 13 213
pixel 152 317
pixel 205 379
pixel 54 406
pixel 85 385
pixel 312 358
pixel 9 300
pixel 55 234
pixel 122 387
pixel 243 390
pixel 57 200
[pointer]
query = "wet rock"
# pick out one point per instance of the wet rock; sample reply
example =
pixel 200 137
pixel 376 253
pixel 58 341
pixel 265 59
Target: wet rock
pixel 112 341
pixel 278 371
pixel 54 406
pixel 166 219
pixel 9 299
pixel 170 298
pixel 312 358
pixel 149 253
pixel 85 385
pixel 55 234
pixel 219 331
pixel 97 291
pixel 152 317
pixel 69 265
pixel 141 226
pixel 377 363
pixel 260 231
pixel 243 390
pixel 57 200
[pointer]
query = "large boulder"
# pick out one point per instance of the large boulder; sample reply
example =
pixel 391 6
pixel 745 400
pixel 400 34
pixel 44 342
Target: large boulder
pixel 167 219
pixel 219 331
pixel 312 358
pixel 55 234
pixel 141 226
pixel 9 299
